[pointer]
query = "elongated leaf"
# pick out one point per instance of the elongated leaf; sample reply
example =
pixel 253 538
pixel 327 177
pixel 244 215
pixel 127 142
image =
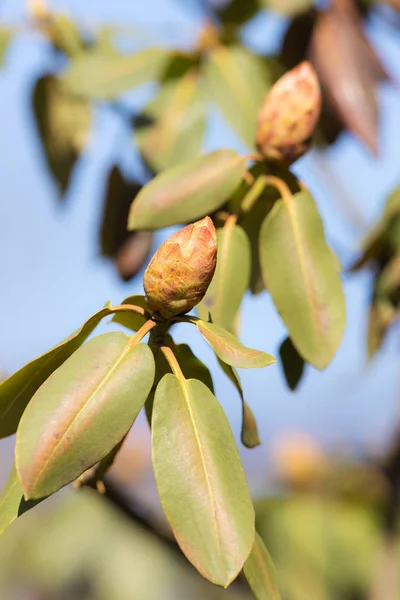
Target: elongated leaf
pixel 5 38
pixel 187 192
pixel 17 390
pixel 130 319
pixel 260 572
pixel 292 363
pixel 230 350
pixel 81 412
pixel 176 124
pixel 302 278
pixel 200 479
pixel 12 501
pixel 63 123
pixel 249 434
pixel 101 76
pixel 231 277
pixel 237 81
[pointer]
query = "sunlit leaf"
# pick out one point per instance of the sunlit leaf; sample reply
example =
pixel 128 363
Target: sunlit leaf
pixel 231 277
pixel 12 501
pixel 175 124
pixel 288 7
pixel 302 278
pixel 260 572
pixel 292 363
pixel 132 320
pixel 187 192
pixel 249 432
pixel 81 412
pixel 96 75
pixel 200 479
pixel 18 389
pixel 237 81
pixel 63 33
pixel 230 350
pixel 6 36
pixel 63 123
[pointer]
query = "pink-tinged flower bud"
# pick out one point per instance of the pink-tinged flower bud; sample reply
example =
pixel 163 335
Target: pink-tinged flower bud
pixel 289 115
pixel 181 270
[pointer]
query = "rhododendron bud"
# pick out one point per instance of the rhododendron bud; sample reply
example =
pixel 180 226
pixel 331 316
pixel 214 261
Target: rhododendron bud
pixel 181 270
pixel 289 115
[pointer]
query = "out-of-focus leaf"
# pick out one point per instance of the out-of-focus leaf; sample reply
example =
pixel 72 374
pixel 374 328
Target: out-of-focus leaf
pixel 81 412
pixel 12 501
pixel 292 363
pixel 130 250
pixel 176 124
pixel 187 192
pixel 62 32
pixel 129 319
pixel 231 277
pixel 6 36
pixel 96 75
pixel 249 432
pixel 236 12
pixel 288 8
pixel 302 279
pixel 63 123
pixel 230 350
pixel 251 224
pixel 345 74
pixel 200 479
pixel 18 389
pixel 381 315
pixel 237 81
pixel 260 572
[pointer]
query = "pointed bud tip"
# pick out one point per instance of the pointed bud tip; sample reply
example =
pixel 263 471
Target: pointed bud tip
pixel 289 115
pixel 181 270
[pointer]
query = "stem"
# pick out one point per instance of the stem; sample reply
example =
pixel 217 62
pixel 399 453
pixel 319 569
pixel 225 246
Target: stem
pixel 139 335
pixel 280 185
pixel 173 363
pixel 130 308
pixel 253 194
pixel 186 319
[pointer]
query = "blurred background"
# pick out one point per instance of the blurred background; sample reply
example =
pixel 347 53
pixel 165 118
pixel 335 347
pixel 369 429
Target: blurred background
pixel 325 479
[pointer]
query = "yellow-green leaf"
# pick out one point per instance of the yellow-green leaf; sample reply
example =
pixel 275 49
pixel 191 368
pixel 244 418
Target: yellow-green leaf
pixel 81 412
pixel 5 38
pixel 200 479
pixel 260 572
pixel 12 501
pixel 187 192
pixel 237 81
pixel 302 278
pixel 249 433
pixel 231 277
pixel 176 124
pixel 132 320
pixel 18 389
pixel 230 350
pixel 98 75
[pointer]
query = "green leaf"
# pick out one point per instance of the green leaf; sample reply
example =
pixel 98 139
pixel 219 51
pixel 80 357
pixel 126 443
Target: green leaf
pixel 63 33
pixel 302 278
pixel 230 350
pixel 175 124
pixel 200 479
pixel 12 501
pixel 130 319
pixel 289 8
pixel 187 192
pixel 63 123
pixel 237 81
pixel 231 277
pixel 292 363
pixel 96 75
pixel 81 412
pixel 260 572
pixel 249 434
pixel 18 389
pixel 237 12
pixel 6 36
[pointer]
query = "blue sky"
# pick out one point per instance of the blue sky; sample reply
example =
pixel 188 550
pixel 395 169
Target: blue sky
pixel 52 278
